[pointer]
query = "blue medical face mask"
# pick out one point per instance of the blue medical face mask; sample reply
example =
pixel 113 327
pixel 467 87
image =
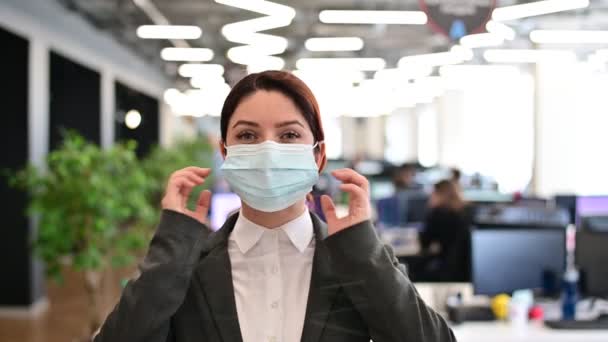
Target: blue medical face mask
pixel 270 176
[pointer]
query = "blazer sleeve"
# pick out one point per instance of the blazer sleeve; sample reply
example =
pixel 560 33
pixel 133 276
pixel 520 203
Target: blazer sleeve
pixel 147 303
pixel 380 289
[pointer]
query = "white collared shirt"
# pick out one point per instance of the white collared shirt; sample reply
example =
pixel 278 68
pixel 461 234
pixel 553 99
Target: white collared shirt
pixel 271 270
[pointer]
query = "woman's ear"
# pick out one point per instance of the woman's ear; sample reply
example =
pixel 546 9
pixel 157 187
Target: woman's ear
pixel 222 149
pixel 320 157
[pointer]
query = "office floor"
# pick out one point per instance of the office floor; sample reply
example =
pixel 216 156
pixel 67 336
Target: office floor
pixel 67 316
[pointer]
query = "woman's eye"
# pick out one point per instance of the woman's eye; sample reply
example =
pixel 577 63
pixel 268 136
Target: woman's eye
pixel 290 136
pixel 246 136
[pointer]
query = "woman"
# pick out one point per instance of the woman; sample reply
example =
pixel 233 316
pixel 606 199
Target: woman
pixel 274 272
pixel 446 234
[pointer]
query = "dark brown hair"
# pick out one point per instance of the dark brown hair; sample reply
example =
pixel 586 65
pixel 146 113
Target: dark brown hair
pixel 450 195
pixel 285 83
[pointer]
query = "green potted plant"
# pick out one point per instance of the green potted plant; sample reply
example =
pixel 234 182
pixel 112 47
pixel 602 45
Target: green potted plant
pixel 93 209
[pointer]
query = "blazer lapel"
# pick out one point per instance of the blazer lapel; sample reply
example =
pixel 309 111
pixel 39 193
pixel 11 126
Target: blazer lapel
pixel 215 276
pixel 323 287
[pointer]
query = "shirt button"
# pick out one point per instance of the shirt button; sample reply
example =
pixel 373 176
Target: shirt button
pixel 274 304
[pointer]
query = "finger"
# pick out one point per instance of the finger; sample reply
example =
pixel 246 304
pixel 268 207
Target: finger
pixel 173 193
pixel 193 177
pixel 329 209
pixel 201 172
pixel 356 193
pixel 202 205
pixel 350 176
pixel 185 188
pixel 182 183
pixel 358 203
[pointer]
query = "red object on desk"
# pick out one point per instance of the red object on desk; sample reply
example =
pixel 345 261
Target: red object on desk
pixel 536 313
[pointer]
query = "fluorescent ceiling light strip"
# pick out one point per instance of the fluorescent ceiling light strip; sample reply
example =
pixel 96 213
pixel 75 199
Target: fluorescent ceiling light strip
pixel 192 70
pixel 537 8
pixel 261 6
pixel 248 55
pixel 330 77
pixel 245 54
pixel 187 54
pixel 432 59
pixel 526 56
pixel 334 44
pixel 204 82
pixel 501 29
pixel 158 19
pixel 461 52
pixel 478 40
pixel 403 74
pixel 251 26
pixel 569 37
pixel 265 44
pixel 257 45
pixel 362 64
pixel 169 32
pixel 483 71
pixel 373 17
pixel 172 96
pixel 265 63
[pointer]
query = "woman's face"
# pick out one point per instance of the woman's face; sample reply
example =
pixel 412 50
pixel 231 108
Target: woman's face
pixel 268 115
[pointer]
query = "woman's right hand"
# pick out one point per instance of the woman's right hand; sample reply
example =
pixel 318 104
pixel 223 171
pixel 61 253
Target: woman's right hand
pixel 178 190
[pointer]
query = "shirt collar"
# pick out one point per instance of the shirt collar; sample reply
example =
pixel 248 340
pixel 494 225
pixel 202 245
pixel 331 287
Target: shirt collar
pixel 299 231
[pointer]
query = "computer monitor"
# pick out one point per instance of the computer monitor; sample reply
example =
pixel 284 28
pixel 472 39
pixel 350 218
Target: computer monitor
pixel 505 260
pixel 486 196
pixel 390 212
pixel 592 258
pixel 591 206
pixel 595 223
pixel 222 205
pixel 516 216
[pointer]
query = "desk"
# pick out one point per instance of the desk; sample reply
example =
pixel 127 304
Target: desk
pixel 505 332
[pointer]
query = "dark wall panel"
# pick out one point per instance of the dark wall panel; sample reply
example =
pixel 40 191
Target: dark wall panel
pixel 74 100
pixel 15 258
pixel 147 133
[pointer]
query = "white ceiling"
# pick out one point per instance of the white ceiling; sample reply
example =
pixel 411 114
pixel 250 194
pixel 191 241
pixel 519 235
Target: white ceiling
pixel 120 18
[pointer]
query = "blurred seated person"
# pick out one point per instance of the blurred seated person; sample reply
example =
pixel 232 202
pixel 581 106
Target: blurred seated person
pixel 409 195
pixel 404 178
pixel 446 235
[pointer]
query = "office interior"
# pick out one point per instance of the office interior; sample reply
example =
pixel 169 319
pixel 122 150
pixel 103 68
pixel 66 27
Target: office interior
pixel 504 107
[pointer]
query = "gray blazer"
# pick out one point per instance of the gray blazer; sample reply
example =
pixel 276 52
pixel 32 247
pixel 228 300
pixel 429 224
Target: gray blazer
pixel 358 290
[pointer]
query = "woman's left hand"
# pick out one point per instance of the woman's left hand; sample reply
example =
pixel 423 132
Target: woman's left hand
pixel 359 208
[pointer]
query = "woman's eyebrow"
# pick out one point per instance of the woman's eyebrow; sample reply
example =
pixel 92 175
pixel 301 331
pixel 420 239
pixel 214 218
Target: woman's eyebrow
pixel 287 123
pixel 246 123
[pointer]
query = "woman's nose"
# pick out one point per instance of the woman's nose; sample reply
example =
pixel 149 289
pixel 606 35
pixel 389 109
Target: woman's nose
pixel 270 137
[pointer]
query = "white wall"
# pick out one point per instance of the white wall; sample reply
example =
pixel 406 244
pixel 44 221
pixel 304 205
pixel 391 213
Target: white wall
pixel 363 136
pixel 486 126
pixel 401 129
pixel 573 126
